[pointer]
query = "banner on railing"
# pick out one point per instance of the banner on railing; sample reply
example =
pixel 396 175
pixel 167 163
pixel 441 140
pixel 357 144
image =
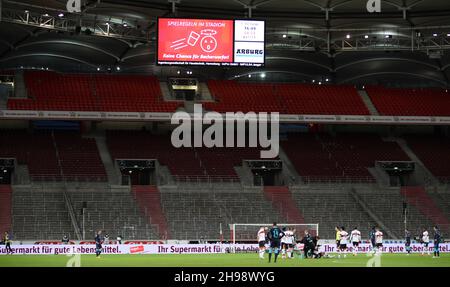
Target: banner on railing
pixel 40 249
pixel 134 116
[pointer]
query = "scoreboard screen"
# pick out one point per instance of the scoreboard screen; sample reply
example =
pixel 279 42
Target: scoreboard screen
pixel 211 42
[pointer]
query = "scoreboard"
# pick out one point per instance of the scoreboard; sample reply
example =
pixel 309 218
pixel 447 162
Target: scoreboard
pixel 211 42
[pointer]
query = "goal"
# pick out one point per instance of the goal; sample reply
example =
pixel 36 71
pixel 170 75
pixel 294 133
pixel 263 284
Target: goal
pixel 246 232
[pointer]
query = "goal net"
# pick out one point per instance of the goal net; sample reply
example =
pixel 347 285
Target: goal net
pixel 246 233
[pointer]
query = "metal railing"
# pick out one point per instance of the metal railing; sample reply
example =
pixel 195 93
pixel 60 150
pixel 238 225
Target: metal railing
pixel 206 179
pixel 337 179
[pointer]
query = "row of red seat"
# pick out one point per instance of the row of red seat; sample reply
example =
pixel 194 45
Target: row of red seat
pixel 285 98
pixel 434 152
pixel 64 155
pixel 341 157
pixel 117 93
pixel 316 157
pixel 215 163
pixel 410 102
pixel 52 91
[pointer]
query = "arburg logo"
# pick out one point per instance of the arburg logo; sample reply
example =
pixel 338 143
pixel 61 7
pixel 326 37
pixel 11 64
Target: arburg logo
pixel 249 52
pixel 73 6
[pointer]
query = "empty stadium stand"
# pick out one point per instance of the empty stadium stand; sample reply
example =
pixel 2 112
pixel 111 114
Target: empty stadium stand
pixel 388 205
pixel 442 200
pixel 195 163
pixel 410 102
pixel 79 157
pixel 195 215
pixel 5 208
pixel 322 157
pixel 54 155
pixel 33 149
pixel 220 162
pixel 321 99
pixel 144 145
pixel 285 98
pixel 418 197
pixel 149 201
pixel 434 152
pixel 281 199
pixel 234 96
pixel 331 208
pixel 40 215
pixel 114 212
pixel 73 92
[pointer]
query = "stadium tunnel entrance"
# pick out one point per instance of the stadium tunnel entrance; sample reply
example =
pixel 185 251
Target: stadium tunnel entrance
pixel 266 173
pixel 6 170
pixel 137 172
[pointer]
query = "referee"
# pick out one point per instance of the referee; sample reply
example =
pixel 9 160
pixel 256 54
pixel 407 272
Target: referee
pixel 7 240
pixel 98 244
pixel 437 241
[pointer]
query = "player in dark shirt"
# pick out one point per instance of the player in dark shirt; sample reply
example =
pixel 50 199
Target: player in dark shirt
pixel 275 234
pixel 65 239
pixel 408 241
pixel 7 241
pixel 372 237
pixel 309 244
pixel 98 244
pixel 437 241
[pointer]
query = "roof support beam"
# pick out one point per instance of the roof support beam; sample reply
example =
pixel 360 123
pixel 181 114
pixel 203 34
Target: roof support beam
pixel 250 6
pixel 174 5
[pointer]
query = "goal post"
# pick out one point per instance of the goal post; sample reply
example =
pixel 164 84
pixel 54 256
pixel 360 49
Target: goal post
pixel 247 232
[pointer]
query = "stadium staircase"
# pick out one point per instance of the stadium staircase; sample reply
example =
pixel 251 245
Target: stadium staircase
pixel 149 202
pixel 108 163
pixel 5 208
pixel 428 176
pixel 418 197
pixel 282 201
pixel 368 102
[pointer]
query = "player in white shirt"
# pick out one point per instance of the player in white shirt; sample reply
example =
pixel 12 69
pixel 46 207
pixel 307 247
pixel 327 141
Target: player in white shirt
pixel 283 244
pixel 355 238
pixel 261 236
pixel 378 241
pixel 344 241
pixel 288 243
pixel 425 242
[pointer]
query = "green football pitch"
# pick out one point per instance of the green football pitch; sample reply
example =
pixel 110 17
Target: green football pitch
pixel 222 260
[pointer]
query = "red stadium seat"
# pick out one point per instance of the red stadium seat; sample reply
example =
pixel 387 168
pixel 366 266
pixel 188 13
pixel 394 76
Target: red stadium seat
pixel 410 102
pixel 109 93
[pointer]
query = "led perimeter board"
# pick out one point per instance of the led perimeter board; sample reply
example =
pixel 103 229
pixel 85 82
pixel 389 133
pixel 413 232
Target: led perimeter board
pixel 211 42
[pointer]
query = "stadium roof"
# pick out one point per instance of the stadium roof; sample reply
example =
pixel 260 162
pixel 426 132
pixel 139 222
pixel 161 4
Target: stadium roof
pixel 306 39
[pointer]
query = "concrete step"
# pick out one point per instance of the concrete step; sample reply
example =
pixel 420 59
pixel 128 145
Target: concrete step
pixel 111 171
pixel 366 99
pixel 204 92
pixel 428 177
pixel 167 95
